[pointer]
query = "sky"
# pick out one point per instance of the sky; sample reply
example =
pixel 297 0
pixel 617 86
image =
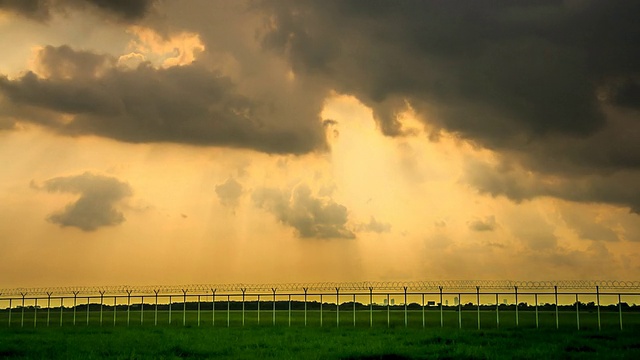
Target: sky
pixel 171 142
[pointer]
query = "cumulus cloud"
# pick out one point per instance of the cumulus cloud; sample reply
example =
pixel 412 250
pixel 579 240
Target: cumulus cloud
pixel 97 205
pixel 187 104
pixel 42 9
pixel 552 86
pixel 487 224
pixel 229 192
pixel 374 226
pixel 310 216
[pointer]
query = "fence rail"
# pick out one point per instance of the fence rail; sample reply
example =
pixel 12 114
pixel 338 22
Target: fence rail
pixel 420 304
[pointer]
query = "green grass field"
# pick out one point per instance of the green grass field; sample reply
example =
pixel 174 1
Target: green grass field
pixel 142 339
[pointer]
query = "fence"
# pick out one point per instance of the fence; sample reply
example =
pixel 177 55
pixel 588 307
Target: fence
pixel 578 304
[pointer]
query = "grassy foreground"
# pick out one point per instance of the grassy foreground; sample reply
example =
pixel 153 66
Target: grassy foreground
pixel 253 342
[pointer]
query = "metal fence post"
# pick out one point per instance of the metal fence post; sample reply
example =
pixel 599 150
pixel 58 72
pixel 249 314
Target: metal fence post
pixel 441 314
pixel 370 306
pixel 337 307
pixel 497 311
pixel 354 310
pixel 228 310
pixel 289 310
pixel 141 310
pixel 555 290
pixel 305 306
pixel 537 321
pixel 598 299
pixel 10 313
pixel 517 306
pixel 243 293
pixel 75 298
pixel 48 307
pixel 213 307
pixel 423 306
pixel 184 307
pixel 406 320
pixel 478 300
pixel 274 305
pixel 170 306
pixel 620 310
pixel 128 305
pixel 577 313
pixel 258 309
pixel 35 312
pixel 198 310
pixel 320 310
pixel 155 312
pixel 88 306
pixel 101 305
pixel 459 311
pixel 388 311
pixel 61 307
pixel 22 312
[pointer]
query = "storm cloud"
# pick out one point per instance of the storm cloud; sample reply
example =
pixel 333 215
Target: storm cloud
pixel 229 192
pixel 552 86
pixel 96 206
pixel 42 9
pixel 310 216
pixel 87 93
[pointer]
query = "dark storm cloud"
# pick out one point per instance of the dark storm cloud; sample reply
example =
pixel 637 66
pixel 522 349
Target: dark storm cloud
pixel 96 206
pixel 42 9
pixel 229 192
pixel 552 85
pixel 311 216
pixel 182 104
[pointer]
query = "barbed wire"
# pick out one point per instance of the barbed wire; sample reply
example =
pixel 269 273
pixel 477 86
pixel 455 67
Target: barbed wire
pixel 363 286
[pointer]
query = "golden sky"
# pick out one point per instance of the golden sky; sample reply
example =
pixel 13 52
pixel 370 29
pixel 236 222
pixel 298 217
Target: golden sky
pixel 149 142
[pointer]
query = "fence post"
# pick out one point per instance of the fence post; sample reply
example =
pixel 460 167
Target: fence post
pixel 35 312
pixel 198 310
pixel 388 311
pixel 88 306
pixel 170 306
pixel 577 313
pixel 213 307
pixel 75 298
pixel 228 310
pixel 517 315
pixel 184 307
pixel 478 300
pixel 10 312
pixel 289 310
pixel 155 312
pixel 555 290
pixel 320 310
pixel 337 307
pixel 405 307
pixel 115 310
pixel 274 305
pixel 128 305
pixel 22 316
pixel 497 311
pixel 620 309
pixel 258 309
pixel 141 310
pixel 101 306
pixel 354 310
pixel 441 315
pixel 423 306
pixel 305 306
pixel 536 299
pixel 370 306
pixel 243 294
pixel 459 311
pixel 48 307
pixel 598 299
pixel 61 306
